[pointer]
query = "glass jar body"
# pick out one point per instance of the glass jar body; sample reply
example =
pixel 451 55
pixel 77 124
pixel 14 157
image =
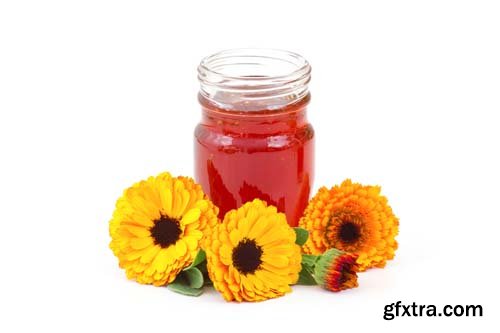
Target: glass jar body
pixel 267 154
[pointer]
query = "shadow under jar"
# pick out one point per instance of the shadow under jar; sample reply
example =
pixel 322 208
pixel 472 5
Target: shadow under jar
pixel 254 140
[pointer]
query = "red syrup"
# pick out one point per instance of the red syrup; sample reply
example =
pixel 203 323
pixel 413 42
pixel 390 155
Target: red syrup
pixel 241 155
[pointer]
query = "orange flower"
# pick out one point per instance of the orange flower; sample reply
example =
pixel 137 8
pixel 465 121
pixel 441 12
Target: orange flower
pixel 352 218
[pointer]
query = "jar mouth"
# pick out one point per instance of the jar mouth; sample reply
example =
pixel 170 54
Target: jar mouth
pixel 254 78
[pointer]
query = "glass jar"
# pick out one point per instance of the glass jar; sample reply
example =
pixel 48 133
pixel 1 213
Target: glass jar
pixel 254 140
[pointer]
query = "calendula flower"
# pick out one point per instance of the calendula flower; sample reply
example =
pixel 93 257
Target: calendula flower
pixel 353 218
pixel 158 227
pixel 252 254
pixel 336 270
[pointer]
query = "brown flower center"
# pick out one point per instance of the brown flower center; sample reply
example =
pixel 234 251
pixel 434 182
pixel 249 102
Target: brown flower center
pixel 349 232
pixel 166 231
pixel 247 256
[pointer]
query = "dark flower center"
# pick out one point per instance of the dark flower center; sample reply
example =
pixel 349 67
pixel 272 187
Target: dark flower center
pixel 166 231
pixel 349 232
pixel 246 256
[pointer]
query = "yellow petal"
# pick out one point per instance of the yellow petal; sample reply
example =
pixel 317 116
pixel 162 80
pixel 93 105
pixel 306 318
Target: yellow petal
pixel 180 248
pixel 140 243
pixel 133 255
pixel 271 210
pixel 219 273
pixel 225 253
pixel 139 219
pixel 191 216
pixel 196 234
pixel 150 254
pixel 274 234
pixel 234 288
pixel 244 226
pixel 247 283
pixel 258 228
pixel 144 206
pixel 252 215
pixel 275 260
pixel 161 261
pixel 215 245
pixel 137 231
pixel 202 205
pixel 274 270
pixel 235 274
pixel 177 198
pixel 256 282
pixel 269 279
pixel 235 237
pixel 166 201
pixel 285 249
pixel 191 242
pixel 151 195
pixel 185 201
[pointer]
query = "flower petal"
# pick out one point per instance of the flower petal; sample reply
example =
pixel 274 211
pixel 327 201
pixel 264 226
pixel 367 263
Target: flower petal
pixel 166 201
pixel 275 260
pixel 196 234
pixel 140 243
pixel 235 237
pixel 185 201
pixel 150 254
pixel 180 248
pixel 138 231
pixel 272 235
pixel 225 254
pixel 191 242
pixel 161 260
pixel 259 227
pixel 191 216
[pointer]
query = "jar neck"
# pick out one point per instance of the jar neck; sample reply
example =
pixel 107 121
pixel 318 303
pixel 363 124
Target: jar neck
pixel 262 122
pixel 253 80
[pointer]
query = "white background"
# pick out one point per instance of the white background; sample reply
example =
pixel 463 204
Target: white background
pixel 95 95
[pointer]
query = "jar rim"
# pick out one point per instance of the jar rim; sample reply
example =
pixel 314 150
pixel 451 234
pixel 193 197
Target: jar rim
pixel 300 64
pixel 268 77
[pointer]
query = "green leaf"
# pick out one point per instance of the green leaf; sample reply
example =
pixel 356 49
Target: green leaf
pixel 200 257
pixel 203 269
pixel 301 236
pixel 305 276
pixel 194 277
pixel 309 259
pixel 184 289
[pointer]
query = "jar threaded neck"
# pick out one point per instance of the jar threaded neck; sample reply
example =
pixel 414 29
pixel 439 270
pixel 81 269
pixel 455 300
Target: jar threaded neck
pixel 254 79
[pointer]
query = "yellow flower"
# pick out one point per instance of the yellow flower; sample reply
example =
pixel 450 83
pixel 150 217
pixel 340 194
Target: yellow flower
pixel 158 226
pixel 353 218
pixel 252 255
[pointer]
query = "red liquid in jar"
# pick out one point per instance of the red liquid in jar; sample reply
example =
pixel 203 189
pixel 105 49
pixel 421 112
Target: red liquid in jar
pixel 268 154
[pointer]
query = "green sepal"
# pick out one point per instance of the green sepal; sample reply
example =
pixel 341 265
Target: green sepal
pixel 301 236
pixel 324 262
pixel 194 277
pixel 200 257
pixel 306 277
pixel 309 259
pixel 184 289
